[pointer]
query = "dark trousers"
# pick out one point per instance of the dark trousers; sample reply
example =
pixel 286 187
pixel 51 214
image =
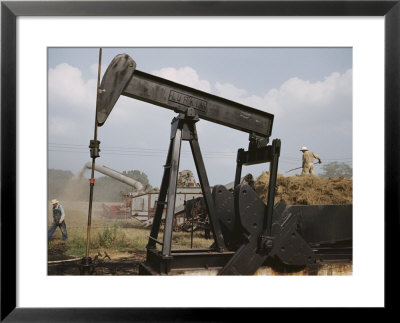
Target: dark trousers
pixel 53 228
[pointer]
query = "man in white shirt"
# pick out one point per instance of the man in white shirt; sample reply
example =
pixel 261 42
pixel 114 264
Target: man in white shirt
pixel 308 161
pixel 58 220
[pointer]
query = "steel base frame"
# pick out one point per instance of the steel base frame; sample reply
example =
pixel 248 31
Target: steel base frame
pixel 186 259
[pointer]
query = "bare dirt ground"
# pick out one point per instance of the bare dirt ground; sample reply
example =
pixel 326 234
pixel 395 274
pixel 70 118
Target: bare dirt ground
pixel 117 264
pixel 57 252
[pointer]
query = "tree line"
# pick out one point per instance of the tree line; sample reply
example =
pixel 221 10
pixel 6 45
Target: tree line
pixel 335 170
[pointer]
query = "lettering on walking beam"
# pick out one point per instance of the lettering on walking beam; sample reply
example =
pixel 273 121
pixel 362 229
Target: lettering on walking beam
pixel 257 122
pixel 245 115
pixel 187 100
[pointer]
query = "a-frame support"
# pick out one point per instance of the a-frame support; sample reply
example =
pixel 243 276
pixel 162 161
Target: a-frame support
pixel 182 128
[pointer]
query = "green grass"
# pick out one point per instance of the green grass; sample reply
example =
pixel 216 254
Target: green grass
pixel 182 240
pixel 115 236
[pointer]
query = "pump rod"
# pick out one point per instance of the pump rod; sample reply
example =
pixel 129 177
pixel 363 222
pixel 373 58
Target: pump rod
pixel 94 153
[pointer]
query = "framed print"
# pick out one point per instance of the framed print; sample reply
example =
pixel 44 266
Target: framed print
pixel 34 35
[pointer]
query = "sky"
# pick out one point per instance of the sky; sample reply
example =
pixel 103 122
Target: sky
pixel 308 90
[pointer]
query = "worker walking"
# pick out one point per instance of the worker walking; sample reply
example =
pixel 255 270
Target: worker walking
pixel 308 161
pixel 58 220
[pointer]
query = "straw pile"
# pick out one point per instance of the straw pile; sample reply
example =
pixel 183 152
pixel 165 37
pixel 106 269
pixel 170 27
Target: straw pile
pixel 307 189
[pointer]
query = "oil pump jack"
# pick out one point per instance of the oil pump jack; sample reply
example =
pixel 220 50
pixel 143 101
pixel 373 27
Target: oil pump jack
pixel 247 232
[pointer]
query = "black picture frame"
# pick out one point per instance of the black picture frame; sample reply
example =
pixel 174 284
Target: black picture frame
pixel 10 10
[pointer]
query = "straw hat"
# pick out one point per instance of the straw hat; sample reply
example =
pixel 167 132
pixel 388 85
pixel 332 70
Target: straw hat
pixel 303 148
pixel 54 201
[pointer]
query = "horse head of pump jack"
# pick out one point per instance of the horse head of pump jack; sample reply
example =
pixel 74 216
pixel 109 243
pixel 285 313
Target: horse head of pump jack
pixel 114 81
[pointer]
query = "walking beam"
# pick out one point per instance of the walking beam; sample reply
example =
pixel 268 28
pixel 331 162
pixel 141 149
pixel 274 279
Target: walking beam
pixel 122 78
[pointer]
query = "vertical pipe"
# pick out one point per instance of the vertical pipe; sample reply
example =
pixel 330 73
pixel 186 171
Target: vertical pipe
pixel 89 223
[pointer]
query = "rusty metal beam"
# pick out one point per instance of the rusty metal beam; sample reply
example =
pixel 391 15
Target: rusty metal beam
pixel 122 78
pixel 178 97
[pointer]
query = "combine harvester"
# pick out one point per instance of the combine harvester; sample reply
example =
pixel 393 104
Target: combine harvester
pixel 249 235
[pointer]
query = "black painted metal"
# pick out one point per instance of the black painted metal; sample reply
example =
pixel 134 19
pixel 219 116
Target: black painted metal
pixel 249 211
pixel 255 156
pixel 300 234
pixel 155 228
pixel 182 128
pixel 225 213
pixel 321 224
pixel 253 242
pixel 122 78
pixel 191 259
pixel 288 244
pixel 205 186
pixel 273 172
pixel 177 97
pixel 283 242
pixel 327 229
pixel 334 252
pixel 238 173
pixel 172 185
pixel 299 238
pixel 115 79
pixel 94 146
pixel 259 152
pixel 293 235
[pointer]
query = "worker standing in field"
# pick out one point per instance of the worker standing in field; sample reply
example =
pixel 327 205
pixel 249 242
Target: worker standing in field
pixel 58 220
pixel 308 161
